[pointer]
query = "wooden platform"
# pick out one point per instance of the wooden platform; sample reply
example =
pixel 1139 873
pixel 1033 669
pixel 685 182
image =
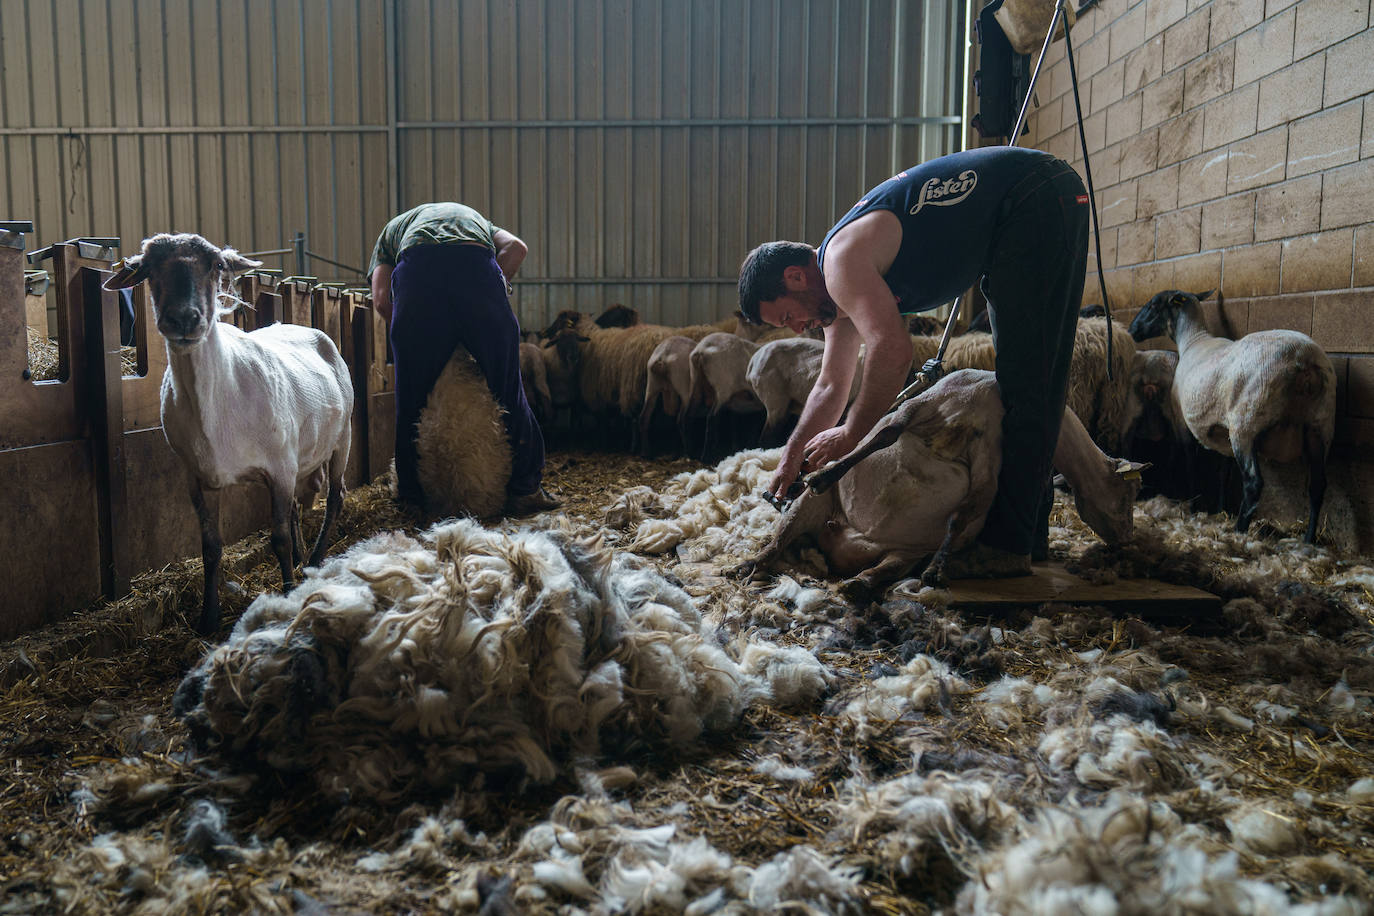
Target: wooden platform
pixel 1050 582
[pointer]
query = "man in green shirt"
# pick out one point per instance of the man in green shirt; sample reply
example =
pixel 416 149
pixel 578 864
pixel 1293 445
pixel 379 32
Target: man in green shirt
pixel 440 277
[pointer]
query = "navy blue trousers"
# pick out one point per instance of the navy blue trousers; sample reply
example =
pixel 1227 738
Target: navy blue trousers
pixel 1034 285
pixel 443 296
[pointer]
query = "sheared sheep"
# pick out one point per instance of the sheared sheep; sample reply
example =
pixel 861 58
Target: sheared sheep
pixel 272 404
pixel 1270 394
pixel 931 494
pixel 782 374
pixel 669 380
pixel 719 379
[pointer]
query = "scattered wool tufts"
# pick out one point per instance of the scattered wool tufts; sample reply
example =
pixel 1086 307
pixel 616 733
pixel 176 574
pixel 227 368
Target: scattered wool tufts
pixel 1263 831
pixel 775 768
pixel 918 817
pixel 724 503
pixel 426 849
pixel 632 507
pixel 921 684
pixel 1009 702
pixel 205 834
pixel 806 601
pixel 1361 791
pixel 803 877
pixel 490 651
pixel 795 677
pixel 1125 856
pixel 1115 753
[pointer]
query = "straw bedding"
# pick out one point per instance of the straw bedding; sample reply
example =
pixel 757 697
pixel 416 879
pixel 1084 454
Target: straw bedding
pixel 808 756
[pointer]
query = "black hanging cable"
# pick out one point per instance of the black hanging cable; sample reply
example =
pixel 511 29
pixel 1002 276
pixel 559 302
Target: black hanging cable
pixel 1092 195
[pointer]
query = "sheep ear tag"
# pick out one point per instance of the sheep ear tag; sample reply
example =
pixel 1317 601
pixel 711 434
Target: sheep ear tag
pixel 1130 470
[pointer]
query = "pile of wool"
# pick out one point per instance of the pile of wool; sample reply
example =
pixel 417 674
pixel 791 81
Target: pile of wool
pixel 711 513
pixel 403 664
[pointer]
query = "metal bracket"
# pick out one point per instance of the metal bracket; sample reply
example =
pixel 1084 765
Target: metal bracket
pixel 12 233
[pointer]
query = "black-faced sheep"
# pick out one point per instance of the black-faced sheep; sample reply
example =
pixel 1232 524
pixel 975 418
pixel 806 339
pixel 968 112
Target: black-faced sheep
pixel 1270 394
pixel 272 404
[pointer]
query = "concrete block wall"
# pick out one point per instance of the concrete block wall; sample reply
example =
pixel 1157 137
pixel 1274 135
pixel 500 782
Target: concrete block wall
pixel 1232 147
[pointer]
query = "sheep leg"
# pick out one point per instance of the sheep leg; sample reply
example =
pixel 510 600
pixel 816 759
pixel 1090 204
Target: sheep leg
pixel 682 428
pixel 211 550
pixel 807 513
pixel 282 499
pixel 1252 486
pixel 1314 450
pixel 885 435
pixel 712 418
pixel 333 504
pixel 297 541
pixel 934 574
pixel 646 416
pixel 873 581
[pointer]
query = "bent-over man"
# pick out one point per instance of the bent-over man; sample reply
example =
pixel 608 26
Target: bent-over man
pixel 440 277
pixel 1018 219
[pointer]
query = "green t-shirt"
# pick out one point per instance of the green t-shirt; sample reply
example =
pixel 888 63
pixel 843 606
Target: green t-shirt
pixel 431 224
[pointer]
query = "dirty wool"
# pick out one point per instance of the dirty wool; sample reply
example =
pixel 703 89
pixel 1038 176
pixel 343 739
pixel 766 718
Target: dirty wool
pixel 583 714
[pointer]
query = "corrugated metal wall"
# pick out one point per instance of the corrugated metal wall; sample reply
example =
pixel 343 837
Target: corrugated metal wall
pixel 640 147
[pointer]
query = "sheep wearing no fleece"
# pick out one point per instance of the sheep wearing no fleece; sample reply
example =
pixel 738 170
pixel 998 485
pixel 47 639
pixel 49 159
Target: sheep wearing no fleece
pixel 405 664
pixel 273 404
pixel 931 492
pixel 1271 394
pixel 782 374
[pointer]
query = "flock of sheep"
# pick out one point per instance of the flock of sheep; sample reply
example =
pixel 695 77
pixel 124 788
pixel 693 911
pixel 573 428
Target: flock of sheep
pixel 1271 393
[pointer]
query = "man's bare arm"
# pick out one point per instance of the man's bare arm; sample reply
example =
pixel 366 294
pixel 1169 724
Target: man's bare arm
pixel 381 291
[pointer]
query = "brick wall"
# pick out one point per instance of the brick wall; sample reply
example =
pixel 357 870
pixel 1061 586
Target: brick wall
pixel 1232 146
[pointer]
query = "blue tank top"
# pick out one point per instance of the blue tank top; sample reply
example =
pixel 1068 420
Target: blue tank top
pixel 948 208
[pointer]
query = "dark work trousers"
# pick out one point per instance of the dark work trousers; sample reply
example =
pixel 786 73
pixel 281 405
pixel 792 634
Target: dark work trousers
pixel 443 296
pixel 1034 285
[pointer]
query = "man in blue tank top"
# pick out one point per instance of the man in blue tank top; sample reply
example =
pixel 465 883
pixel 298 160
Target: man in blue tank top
pixel 1017 219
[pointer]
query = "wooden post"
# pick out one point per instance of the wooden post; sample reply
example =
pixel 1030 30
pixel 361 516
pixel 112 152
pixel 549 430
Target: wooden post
pixel 104 397
pixel 381 396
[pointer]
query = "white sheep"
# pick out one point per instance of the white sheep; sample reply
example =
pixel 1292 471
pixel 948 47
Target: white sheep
pixel 669 381
pixel 272 405
pixel 719 379
pixel 1270 394
pixel 782 374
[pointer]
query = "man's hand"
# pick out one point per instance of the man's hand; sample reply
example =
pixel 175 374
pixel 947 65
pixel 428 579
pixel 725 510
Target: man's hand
pixel 828 445
pixel 784 476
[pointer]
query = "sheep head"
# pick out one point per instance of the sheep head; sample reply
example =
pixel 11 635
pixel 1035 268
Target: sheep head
pixel 187 275
pixel 1111 514
pixel 565 320
pixel 618 316
pixel 1159 316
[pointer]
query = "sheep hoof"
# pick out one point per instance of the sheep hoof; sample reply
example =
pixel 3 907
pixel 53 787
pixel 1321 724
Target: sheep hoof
pixel 820 481
pixel 858 591
pixel 934 577
pixel 744 571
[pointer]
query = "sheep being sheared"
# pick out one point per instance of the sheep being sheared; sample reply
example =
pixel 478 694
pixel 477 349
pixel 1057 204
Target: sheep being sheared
pixel 1270 394
pixel 930 494
pixel 464 450
pixel 273 404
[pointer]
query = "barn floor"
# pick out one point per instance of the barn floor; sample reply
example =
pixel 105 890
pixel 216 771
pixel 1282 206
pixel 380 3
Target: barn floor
pixel 1027 762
